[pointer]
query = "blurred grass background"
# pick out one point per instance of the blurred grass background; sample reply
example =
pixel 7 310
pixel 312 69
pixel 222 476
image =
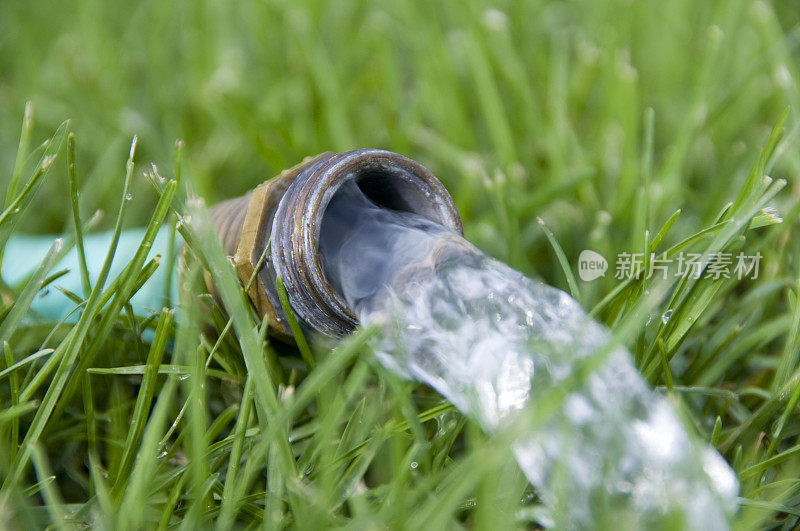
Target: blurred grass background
pixel 547 95
pixel 523 109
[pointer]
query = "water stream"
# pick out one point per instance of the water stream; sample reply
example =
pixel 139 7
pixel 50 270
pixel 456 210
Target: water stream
pixel 493 342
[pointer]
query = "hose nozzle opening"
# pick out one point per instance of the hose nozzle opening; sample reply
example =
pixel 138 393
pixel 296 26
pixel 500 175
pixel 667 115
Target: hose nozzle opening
pixel 288 212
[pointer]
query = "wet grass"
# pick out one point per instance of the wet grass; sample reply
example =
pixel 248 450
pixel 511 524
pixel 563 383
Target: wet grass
pixel 615 126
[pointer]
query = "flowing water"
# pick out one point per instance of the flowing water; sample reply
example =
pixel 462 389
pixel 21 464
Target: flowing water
pixel 494 342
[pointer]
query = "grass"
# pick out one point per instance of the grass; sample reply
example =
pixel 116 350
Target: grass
pixel 614 126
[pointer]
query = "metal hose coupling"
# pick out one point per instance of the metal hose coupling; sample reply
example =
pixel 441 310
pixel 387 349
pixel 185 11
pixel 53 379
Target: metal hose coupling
pixel 286 212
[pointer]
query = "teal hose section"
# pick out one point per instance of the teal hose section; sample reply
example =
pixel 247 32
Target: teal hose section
pixel 24 254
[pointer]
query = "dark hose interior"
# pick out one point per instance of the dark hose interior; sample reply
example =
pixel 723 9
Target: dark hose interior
pixel 395 191
pixel 381 189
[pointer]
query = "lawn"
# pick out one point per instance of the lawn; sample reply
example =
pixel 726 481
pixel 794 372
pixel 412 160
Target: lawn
pixel 617 126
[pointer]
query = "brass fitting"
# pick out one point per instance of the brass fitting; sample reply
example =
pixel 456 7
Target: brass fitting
pixel 286 213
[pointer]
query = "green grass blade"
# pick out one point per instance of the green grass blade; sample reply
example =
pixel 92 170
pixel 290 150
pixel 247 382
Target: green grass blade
pixel 143 402
pixel 22 150
pixel 562 259
pixel 297 333
pixel 76 215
